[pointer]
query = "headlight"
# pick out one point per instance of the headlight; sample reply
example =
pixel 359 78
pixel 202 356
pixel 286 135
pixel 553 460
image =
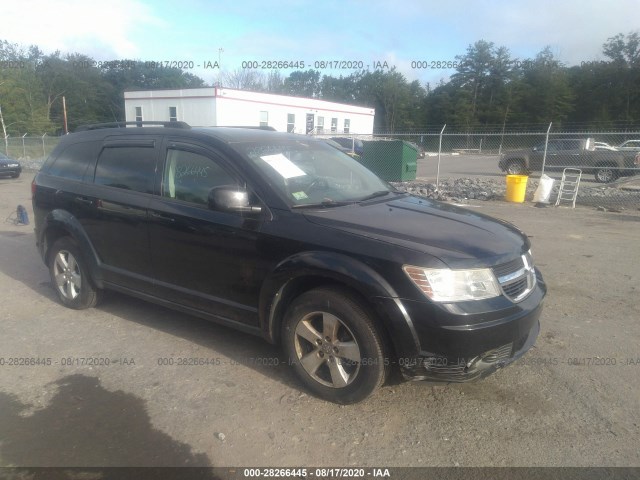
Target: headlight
pixel 445 285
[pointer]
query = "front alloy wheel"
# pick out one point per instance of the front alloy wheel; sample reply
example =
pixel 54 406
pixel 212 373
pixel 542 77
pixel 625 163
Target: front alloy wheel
pixel 515 168
pixel 334 345
pixel 327 349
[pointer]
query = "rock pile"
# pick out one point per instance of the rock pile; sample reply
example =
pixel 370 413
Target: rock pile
pixel 460 190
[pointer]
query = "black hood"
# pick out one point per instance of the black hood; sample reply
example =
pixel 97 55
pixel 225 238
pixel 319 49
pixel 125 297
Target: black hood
pixel 457 236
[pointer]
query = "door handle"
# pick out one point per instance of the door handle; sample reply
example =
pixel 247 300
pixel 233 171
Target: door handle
pixel 84 200
pixel 161 216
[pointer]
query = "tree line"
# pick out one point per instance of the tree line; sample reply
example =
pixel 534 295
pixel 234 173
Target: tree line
pixel 490 89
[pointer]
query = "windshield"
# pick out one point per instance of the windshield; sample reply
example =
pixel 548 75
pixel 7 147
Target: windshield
pixel 308 172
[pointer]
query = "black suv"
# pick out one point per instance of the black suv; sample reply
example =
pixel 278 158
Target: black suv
pixel 285 237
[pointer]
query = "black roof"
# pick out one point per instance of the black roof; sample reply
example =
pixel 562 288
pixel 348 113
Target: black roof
pixel 223 134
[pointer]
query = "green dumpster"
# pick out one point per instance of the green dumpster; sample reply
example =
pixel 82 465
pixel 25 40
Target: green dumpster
pixel 391 160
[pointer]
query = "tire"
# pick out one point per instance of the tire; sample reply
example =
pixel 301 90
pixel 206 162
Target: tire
pixel 605 174
pixel 334 346
pixel 515 167
pixel 69 275
pixel 15 175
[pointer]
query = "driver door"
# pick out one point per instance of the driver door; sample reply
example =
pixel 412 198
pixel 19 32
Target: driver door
pixel 203 258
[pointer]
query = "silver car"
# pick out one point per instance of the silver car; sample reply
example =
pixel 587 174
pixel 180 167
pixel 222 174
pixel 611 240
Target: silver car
pixel 629 146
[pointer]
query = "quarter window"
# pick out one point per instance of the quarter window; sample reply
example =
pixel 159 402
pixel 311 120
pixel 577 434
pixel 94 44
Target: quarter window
pixel 189 176
pixel 127 167
pixel 73 161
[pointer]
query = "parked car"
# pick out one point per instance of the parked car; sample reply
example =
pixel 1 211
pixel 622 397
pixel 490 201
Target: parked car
pixel 9 166
pixel 336 145
pixel 606 166
pixel 353 144
pixel 284 237
pixel 629 146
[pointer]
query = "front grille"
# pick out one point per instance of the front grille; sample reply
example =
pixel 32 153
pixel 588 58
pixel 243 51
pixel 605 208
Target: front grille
pixel 516 288
pixel 517 277
pixel 509 267
pixel 501 353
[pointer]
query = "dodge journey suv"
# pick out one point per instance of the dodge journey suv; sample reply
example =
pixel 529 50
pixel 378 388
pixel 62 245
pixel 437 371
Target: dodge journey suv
pixel 285 237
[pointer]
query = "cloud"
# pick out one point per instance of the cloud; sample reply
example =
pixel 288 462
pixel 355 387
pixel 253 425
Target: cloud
pixel 575 30
pixel 100 29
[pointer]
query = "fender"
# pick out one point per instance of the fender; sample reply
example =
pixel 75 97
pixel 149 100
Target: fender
pixel 305 269
pixel 62 220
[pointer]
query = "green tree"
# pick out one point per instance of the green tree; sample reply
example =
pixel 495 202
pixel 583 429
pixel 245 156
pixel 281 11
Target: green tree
pixel 624 52
pixel 303 84
pixel 543 92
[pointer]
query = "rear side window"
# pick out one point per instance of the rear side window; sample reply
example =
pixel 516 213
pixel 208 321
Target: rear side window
pixel 127 167
pixel 73 161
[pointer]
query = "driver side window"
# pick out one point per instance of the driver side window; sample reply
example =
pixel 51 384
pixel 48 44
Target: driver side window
pixel 189 176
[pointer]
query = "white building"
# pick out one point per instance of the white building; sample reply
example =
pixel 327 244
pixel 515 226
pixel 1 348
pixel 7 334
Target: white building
pixel 215 106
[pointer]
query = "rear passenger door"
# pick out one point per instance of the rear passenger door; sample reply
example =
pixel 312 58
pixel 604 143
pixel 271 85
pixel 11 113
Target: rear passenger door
pixel 116 210
pixel 204 259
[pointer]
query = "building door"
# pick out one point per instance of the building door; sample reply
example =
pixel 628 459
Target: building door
pixel 310 123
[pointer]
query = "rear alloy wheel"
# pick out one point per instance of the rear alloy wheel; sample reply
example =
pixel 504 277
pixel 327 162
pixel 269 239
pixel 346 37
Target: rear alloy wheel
pixel 515 168
pixel 69 275
pixel 334 347
pixel 605 174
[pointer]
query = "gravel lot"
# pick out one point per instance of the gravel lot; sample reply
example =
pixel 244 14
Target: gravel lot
pixel 574 400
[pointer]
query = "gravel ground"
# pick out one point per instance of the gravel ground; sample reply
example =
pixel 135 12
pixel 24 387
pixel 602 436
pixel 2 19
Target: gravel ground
pixel 621 195
pixel 574 400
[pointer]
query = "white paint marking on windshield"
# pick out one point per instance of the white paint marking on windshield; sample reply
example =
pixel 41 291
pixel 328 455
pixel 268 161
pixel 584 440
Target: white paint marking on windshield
pixel 283 165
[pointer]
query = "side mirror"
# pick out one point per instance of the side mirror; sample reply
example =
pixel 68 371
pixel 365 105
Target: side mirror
pixel 231 198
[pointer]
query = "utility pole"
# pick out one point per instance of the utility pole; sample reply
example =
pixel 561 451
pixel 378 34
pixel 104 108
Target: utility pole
pixel 64 114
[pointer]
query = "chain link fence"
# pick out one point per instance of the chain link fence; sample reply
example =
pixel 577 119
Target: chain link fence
pixel 30 151
pixel 458 166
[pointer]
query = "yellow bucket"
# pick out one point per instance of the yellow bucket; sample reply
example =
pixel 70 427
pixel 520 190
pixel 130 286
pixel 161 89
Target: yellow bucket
pixel 516 188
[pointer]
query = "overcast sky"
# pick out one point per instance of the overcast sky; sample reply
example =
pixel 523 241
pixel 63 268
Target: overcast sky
pixel 368 31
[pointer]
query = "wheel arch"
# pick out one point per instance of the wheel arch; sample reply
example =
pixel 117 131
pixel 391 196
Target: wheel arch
pixel 604 164
pixel 305 271
pixel 60 223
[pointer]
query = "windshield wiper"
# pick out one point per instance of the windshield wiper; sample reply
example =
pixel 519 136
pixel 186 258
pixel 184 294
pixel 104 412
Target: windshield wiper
pixel 327 202
pixel 379 193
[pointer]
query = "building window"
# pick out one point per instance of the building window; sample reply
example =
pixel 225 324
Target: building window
pixel 264 119
pixel 334 125
pixel 138 116
pixel 291 122
pixel 173 114
pixel 320 127
pixel 347 125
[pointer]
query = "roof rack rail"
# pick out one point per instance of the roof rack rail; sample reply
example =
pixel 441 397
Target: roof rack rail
pixel 254 127
pixel 98 126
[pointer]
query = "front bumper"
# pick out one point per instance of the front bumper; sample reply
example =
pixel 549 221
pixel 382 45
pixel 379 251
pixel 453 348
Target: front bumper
pixel 459 370
pixel 4 170
pixel 468 341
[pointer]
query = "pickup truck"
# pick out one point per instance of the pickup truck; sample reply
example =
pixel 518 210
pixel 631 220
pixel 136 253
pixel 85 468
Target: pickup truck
pixel 605 165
